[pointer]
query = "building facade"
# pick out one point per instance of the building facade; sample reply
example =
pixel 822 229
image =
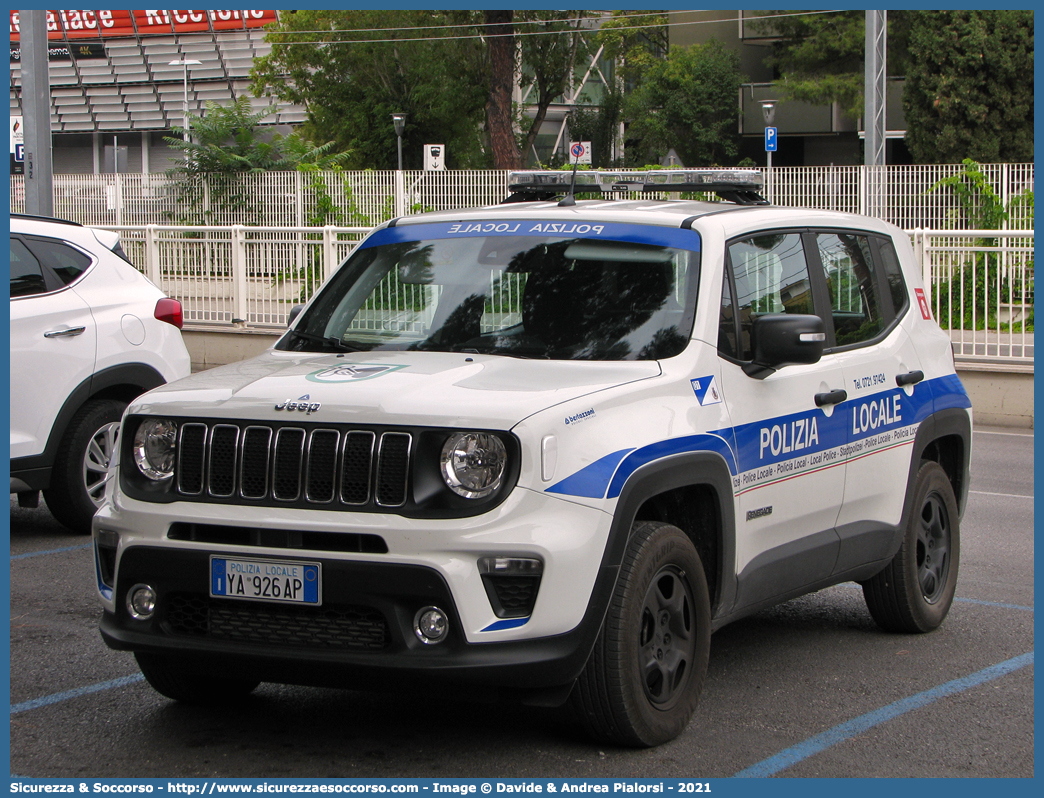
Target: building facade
pixel 121 79
pixel 808 135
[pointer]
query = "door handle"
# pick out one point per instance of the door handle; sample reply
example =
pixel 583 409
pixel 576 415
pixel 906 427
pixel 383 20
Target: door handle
pixel 832 398
pixel 910 378
pixel 65 333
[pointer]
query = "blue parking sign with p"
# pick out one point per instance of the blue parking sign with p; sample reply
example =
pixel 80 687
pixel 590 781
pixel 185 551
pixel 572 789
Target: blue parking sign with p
pixel 770 139
pixel 19 152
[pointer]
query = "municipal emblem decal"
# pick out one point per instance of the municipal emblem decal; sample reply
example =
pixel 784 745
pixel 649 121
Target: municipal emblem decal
pixel 706 390
pixel 352 372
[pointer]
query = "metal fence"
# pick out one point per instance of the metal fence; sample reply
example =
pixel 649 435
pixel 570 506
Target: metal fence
pixel 903 195
pixel 980 281
pixel 238 276
pixel 981 290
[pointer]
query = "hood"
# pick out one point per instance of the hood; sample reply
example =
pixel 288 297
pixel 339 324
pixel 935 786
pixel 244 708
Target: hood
pixel 399 388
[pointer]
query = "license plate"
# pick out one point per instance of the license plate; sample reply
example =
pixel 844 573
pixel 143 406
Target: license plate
pixel 266 580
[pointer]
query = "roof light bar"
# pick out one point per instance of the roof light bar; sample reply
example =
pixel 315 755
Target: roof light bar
pixel 726 181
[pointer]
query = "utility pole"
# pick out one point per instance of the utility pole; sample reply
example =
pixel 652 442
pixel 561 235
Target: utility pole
pixel 36 113
pixel 875 83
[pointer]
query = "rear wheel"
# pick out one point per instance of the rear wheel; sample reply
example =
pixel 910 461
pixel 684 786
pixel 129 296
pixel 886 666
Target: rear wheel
pixel 81 465
pixel 178 681
pixel 915 591
pixel 644 678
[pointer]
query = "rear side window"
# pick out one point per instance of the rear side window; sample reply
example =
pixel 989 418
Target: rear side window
pixel 26 275
pixel 771 276
pixel 855 293
pixel 893 274
pixel 67 263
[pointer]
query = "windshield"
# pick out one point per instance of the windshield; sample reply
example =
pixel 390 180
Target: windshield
pixel 564 291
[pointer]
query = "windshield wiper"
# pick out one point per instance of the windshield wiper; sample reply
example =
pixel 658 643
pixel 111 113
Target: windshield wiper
pixel 336 343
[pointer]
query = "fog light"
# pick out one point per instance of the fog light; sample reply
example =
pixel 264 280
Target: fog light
pixel 141 602
pixel 431 625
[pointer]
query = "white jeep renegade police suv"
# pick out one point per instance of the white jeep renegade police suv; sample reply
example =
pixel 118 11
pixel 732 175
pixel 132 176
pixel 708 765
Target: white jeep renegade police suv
pixel 548 447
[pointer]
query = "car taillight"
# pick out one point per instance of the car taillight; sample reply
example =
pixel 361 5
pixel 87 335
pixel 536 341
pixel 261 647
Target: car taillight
pixel 169 310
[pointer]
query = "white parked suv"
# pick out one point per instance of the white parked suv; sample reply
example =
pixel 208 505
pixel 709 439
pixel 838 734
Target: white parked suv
pixel 88 334
pixel 548 447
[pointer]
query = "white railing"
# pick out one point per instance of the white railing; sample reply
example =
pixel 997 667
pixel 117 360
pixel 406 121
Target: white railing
pixel 980 282
pixel 981 290
pixel 902 195
pixel 238 276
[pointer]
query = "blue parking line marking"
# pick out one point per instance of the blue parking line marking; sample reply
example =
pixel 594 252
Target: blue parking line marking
pixel 51 551
pixel 981 602
pixel 856 726
pixel 995 604
pixel 57 698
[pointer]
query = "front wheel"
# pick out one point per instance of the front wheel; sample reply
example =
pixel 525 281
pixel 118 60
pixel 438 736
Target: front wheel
pixel 644 678
pixel 81 465
pixel 915 591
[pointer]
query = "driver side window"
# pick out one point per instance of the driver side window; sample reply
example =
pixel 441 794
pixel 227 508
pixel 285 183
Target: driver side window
pixel 770 275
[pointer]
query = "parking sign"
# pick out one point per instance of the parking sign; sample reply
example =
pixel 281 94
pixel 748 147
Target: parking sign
pixel 770 139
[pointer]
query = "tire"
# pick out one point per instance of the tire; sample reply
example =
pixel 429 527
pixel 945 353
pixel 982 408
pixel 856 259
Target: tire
pixel 645 674
pixel 172 678
pixel 915 591
pixel 81 466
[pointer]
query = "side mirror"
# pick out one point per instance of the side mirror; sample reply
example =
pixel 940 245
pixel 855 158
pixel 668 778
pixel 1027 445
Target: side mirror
pixel 295 311
pixel 781 339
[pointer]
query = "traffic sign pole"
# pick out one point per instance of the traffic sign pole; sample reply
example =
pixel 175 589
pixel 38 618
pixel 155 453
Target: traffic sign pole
pixel 771 145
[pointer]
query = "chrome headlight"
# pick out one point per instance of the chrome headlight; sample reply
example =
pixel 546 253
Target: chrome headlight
pixel 154 446
pixel 473 463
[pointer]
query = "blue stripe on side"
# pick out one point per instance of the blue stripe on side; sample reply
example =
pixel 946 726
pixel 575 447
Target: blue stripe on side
pixel 658 451
pixel 656 235
pixel 774 440
pixel 949 392
pixel 770 441
pixel 590 482
pixel 511 623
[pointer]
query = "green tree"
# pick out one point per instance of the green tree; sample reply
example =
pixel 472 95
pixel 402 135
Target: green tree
pixel 635 40
pixel 969 87
pixel 977 286
pixel 353 69
pixel 819 57
pixel 224 140
pixel 598 124
pixel 500 118
pixel 688 102
pixel 227 142
pixel 548 62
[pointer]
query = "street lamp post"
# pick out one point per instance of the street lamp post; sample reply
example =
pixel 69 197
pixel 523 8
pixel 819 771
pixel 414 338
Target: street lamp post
pixel 399 120
pixel 186 63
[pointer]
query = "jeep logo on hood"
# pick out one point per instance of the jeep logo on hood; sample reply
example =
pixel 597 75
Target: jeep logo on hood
pixel 302 404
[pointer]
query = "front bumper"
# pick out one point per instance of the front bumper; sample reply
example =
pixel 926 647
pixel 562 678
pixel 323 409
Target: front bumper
pixel 362 636
pixel 363 633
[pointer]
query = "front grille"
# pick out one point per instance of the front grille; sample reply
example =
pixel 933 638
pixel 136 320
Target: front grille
pixel 333 627
pixel 317 467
